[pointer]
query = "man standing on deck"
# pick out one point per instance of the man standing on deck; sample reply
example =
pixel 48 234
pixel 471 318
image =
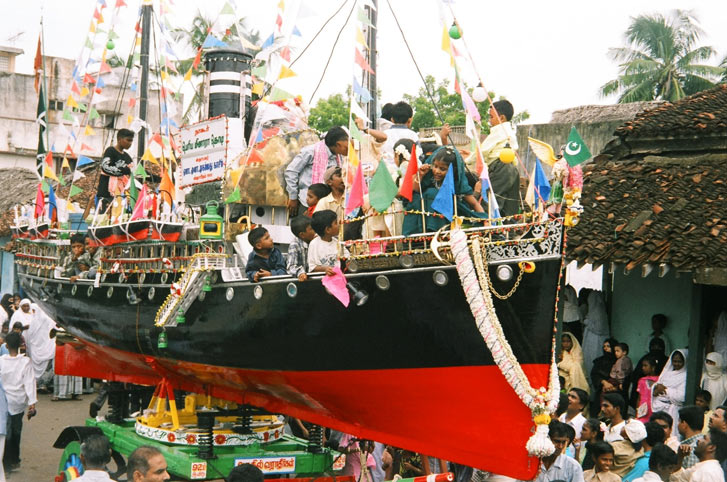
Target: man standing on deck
pixel 115 168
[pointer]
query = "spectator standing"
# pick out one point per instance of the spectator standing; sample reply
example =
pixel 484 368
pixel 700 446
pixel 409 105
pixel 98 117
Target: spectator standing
pixel 714 379
pixel 710 450
pixel 245 473
pixel 662 463
pixel 691 421
pixel 146 464
pixel 95 454
pixel 654 436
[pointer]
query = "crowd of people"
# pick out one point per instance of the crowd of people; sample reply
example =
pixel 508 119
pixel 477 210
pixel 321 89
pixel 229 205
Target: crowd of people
pixel 628 421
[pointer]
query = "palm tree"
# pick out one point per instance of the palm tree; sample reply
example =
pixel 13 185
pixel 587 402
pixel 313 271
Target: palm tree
pixel 194 37
pixel 662 60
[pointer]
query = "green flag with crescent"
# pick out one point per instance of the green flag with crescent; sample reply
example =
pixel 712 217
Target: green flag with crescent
pixel 575 151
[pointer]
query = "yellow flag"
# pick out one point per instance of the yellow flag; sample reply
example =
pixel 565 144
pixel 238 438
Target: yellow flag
pixel 84 92
pixel 92 29
pixel 352 157
pixel 65 164
pixel 164 75
pixel 281 4
pixel 129 119
pixel 138 40
pixel 89 131
pixel 71 102
pixel 49 174
pixel 258 88
pixel 445 40
pixel 188 75
pixel 285 72
pixel 148 156
pixel 100 18
pixel 70 207
pixel 235 176
pixel 360 37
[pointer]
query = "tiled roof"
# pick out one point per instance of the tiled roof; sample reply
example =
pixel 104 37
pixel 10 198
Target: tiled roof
pixel 652 211
pixel 700 114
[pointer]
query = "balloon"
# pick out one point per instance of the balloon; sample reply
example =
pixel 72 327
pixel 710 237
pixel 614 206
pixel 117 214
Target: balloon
pixel 479 94
pixel 507 155
pixel 455 32
pixel 110 45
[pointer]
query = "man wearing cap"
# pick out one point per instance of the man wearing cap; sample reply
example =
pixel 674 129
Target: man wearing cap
pixel 334 201
pixel 654 435
pixel 309 166
pixel 628 450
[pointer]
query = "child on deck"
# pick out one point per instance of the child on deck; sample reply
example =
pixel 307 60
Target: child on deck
pixel 333 177
pixel 298 248
pixel 402 115
pixel 602 454
pixel 504 177
pixel 620 370
pixel 323 250
pixel 432 177
pixel 316 192
pixel 266 259
pixel 648 368
pixel 77 261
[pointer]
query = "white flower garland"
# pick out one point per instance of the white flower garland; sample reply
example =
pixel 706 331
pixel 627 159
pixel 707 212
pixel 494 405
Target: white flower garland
pixel 542 401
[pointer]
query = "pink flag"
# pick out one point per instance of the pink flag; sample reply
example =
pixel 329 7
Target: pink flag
pixel 355 196
pixel 361 61
pixel 336 285
pixel 138 212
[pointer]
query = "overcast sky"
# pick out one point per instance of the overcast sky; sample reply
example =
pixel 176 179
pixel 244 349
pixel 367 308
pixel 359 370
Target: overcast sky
pixel 543 56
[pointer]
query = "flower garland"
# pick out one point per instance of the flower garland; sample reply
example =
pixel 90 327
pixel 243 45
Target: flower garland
pixel 541 401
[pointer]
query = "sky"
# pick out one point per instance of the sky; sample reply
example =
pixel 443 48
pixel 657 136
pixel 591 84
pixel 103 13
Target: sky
pixel 542 56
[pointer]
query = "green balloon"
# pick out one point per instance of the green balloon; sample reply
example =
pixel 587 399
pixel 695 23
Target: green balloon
pixel 110 45
pixel 455 32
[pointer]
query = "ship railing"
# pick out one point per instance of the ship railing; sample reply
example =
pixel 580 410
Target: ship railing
pixel 510 237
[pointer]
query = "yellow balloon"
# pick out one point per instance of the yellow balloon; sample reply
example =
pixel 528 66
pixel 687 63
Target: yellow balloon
pixel 507 155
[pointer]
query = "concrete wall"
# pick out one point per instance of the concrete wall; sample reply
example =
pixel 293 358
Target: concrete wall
pixel 635 299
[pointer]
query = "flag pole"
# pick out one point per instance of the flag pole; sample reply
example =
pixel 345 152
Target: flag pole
pixel 45 81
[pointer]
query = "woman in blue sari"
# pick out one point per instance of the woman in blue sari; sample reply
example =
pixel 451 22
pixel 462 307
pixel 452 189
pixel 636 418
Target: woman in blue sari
pixel 432 173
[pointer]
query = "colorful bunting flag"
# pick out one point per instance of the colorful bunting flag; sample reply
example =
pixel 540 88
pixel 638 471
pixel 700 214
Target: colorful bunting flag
pixel 83 160
pixel 286 72
pixel 361 61
pixel 52 204
pixel 285 53
pixel 361 91
pixel 75 190
pixel 78 175
pixel 39 201
pixel 166 188
pixel 234 196
pixel 279 94
pixel 356 194
pixel 47 172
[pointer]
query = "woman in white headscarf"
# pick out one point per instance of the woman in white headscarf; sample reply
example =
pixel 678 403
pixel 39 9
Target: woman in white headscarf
pixel 596 329
pixel 714 379
pixel 571 313
pixel 720 335
pixel 24 314
pixel 41 347
pixel 570 366
pixel 669 391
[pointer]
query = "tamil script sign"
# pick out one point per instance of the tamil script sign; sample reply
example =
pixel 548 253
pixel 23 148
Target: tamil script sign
pixel 271 465
pixel 205 148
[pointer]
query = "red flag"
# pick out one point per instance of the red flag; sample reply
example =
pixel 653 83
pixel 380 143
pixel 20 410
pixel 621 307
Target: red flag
pixel 120 3
pixel 49 159
pixel 197 59
pixel 361 61
pixel 355 196
pixel 39 201
pixel 75 89
pixel 38 65
pixel 88 79
pixel 254 158
pixel 480 163
pixel 105 68
pixel 407 184
pixel 285 53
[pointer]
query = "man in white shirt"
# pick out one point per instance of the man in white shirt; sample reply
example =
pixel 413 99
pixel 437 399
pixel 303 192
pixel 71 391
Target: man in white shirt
pixel 95 454
pixel 18 380
pixel 573 416
pixel 710 450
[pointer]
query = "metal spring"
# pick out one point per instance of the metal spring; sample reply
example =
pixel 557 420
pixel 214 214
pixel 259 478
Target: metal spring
pixel 244 421
pixel 205 440
pixel 315 439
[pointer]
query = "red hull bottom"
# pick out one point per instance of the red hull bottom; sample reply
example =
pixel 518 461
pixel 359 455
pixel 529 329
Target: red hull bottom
pixel 468 415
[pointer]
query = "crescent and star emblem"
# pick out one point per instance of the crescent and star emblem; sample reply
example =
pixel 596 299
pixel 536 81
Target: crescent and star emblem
pixel 572 148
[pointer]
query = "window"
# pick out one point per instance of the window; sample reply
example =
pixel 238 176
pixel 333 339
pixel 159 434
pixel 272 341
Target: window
pixel 55 105
pixel 4 63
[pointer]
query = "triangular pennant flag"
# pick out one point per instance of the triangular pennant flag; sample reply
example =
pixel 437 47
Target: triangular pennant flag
pixel 197 59
pixel 65 164
pixel 78 175
pixel 71 102
pixel 360 37
pixel 140 171
pixel 75 89
pixel 542 186
pixel 407 184
pixel 361 91
pixel 279 94
pixel 105 68
pixel 148 156
pixel 61 181
pixel 49 159
pixel 188 75
pixel 257 88
pixel 235 175
pixel 45 186
pixel 358 111
pixel 285 72
pixel 84 92
pixel 83 160
pixel 285 53
pixel 444 201
pixel 52 204
pixel 363 18
pixel 361 61
pixel 260 71
pixel 212 42
pixel 575 151
pixel 138 211
pixel 166 188
pixel 86 147
pixel 89 131
pixel 353 129
pixel 74 191
pixel 39 201
pixel 227 9
pixel 93 114
pixel 352 164
pixel 356 194
pixel 382 190
pixel 296 31
pixel 234 196
pixel 47 172
pixel 67 116
pixel 269 41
